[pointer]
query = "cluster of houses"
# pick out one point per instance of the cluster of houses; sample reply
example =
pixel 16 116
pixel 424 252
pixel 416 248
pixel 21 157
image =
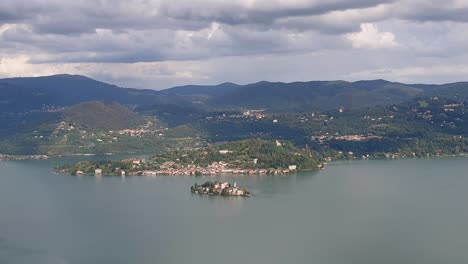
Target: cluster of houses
pixel 65 126
pixel 48 109
pixel 429 114
pixel 323 138
pixel 148 128
pixel 214 169
pixel 219 188
pixel 357 137
pixel 169 168
pixel 211 170
pixel 23 157
pixel 451 107
pixel 255 114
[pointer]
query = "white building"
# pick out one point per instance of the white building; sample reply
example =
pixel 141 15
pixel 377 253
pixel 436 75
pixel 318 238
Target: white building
pixel 97 172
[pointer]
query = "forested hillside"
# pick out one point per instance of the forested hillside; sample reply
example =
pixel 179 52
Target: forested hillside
pixel 66 114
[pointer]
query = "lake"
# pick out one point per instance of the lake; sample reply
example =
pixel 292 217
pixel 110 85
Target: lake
pixel 365 212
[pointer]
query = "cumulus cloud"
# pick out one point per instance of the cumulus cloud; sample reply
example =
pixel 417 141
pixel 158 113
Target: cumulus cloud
pixel 371 37
pixel 155 75
pixel 128 40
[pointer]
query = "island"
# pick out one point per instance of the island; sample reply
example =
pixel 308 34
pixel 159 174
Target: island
pixel 253 156
pixel 220 188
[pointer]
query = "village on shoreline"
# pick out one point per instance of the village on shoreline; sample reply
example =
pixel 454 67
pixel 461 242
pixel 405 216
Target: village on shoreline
pixel 241 157
pixel 216 168
pixel 23 157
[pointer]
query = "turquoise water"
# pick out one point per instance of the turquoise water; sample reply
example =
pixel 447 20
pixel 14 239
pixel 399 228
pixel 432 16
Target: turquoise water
pixel 403 211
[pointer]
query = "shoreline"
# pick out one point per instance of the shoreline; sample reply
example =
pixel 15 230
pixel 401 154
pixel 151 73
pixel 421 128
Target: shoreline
pixel 259 174
pixel 7 157
pixel 227 172
pixel 201 172
pixel 214 171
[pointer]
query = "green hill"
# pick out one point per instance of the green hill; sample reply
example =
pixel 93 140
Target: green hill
pixel 90 127
pixel 102 116
pixel 456 91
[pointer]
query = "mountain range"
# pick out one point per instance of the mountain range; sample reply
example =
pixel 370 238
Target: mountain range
pixel 66 114
pixel 32 93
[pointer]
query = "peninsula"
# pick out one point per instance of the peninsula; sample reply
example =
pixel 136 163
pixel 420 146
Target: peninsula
pixel 253 156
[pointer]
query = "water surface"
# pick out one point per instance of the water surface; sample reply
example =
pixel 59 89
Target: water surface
pixel 366 212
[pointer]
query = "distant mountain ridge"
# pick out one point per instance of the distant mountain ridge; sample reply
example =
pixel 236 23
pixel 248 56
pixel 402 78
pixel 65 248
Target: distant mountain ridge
pixel 30 93
pixel 208 90
pixel 318 95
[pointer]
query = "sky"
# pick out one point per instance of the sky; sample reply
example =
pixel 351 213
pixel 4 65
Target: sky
pixel 158 44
